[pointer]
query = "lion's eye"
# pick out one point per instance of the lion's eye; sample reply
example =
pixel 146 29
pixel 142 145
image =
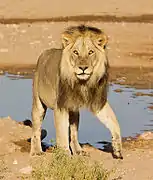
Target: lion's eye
pixel 76 52
pixel 90 52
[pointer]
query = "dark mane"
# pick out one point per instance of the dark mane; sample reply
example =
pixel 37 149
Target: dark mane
pixel 83 95
pixel 82 29
pixel 90 94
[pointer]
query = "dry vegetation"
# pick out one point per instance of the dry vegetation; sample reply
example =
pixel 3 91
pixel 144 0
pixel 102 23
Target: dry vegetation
pixel 59 166
pixel 3 169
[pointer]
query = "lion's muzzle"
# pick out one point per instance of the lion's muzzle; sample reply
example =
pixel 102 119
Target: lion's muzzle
pixel 83 72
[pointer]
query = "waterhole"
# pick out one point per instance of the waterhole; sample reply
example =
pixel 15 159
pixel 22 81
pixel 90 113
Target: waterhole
pixel 131 106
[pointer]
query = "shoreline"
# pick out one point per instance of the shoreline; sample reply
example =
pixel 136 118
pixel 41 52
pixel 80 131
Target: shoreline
pixel 144 18
pixel 138 77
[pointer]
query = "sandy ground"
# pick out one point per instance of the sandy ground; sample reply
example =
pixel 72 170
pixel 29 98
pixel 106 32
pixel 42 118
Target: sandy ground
pixel 130 44
pixel 128 24
pixel 130 48
pixel 14 153
pixel 28 27
pixel 55 8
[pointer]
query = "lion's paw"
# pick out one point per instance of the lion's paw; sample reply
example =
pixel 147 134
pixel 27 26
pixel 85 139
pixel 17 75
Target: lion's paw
pixel 117 155
pixel 36 153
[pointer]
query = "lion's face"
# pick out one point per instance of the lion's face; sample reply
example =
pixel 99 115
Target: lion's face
pixel 86 54
pixel 83 58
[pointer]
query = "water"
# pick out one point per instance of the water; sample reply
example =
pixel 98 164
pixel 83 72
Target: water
pixel 132 112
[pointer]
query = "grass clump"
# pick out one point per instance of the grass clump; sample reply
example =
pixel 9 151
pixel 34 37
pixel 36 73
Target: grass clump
pixel 3 169
pixel 60 166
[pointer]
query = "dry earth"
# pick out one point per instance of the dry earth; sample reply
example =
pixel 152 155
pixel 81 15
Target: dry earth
pixel 28 27
pixel 56 8
pixel 130 44
pixel 15 159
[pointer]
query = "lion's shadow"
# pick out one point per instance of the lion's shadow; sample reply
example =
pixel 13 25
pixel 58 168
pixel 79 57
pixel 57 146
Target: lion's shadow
pixel 105 146
pixel 25 144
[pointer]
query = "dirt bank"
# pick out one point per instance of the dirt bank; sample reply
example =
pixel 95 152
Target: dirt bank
pixel 14 153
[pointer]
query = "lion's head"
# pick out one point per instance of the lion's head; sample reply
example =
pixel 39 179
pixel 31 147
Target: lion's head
pixel 84 53
pixel 83 69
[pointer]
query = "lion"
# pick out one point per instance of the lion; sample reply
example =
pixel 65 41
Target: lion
pixel 69 79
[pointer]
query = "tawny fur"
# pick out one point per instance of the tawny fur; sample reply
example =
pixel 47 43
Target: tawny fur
pixel 68 79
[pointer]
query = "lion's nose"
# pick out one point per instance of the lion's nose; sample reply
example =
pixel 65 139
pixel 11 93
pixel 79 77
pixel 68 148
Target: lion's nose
pixel 83 68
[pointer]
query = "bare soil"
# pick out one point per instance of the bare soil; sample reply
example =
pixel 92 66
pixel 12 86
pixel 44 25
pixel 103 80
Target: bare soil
pixel 130 44
pixel 15 159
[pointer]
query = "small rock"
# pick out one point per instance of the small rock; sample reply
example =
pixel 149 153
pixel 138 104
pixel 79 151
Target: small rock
pixel 128 155
pixel 121 79
pixel 146 136
pixel 50 37
pixel 15 162
pixel 26 170
pixel 130 53
pixel 118 90
pixel 4 50
pixel 23 31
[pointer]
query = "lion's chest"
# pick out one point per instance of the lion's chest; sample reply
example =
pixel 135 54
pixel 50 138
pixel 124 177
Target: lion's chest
pixel 75 98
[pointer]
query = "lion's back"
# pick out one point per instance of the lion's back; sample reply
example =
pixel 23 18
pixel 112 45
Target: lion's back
pixel 49 61
pixel 46 74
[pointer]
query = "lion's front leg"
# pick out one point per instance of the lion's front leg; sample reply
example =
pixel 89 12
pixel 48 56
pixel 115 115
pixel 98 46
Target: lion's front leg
pixel 61 121
pixel 74 125
pixel 107 116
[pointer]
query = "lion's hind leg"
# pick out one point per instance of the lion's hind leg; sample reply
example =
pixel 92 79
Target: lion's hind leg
pixel 107 116
pixel 38 113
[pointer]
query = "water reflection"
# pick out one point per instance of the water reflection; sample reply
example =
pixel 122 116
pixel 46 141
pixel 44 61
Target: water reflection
pixel 133 116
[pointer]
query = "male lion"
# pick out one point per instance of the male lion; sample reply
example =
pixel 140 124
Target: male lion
pixel 71 78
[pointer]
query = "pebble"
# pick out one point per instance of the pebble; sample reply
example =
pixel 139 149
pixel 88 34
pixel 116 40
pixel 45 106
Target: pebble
pixel 15 162
pixel 50 37
pixel 26 170
pixel 3 50
pixel 146 135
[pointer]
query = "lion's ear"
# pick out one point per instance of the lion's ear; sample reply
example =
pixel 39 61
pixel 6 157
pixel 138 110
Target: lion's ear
pixel 66 39
pixel 102 40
